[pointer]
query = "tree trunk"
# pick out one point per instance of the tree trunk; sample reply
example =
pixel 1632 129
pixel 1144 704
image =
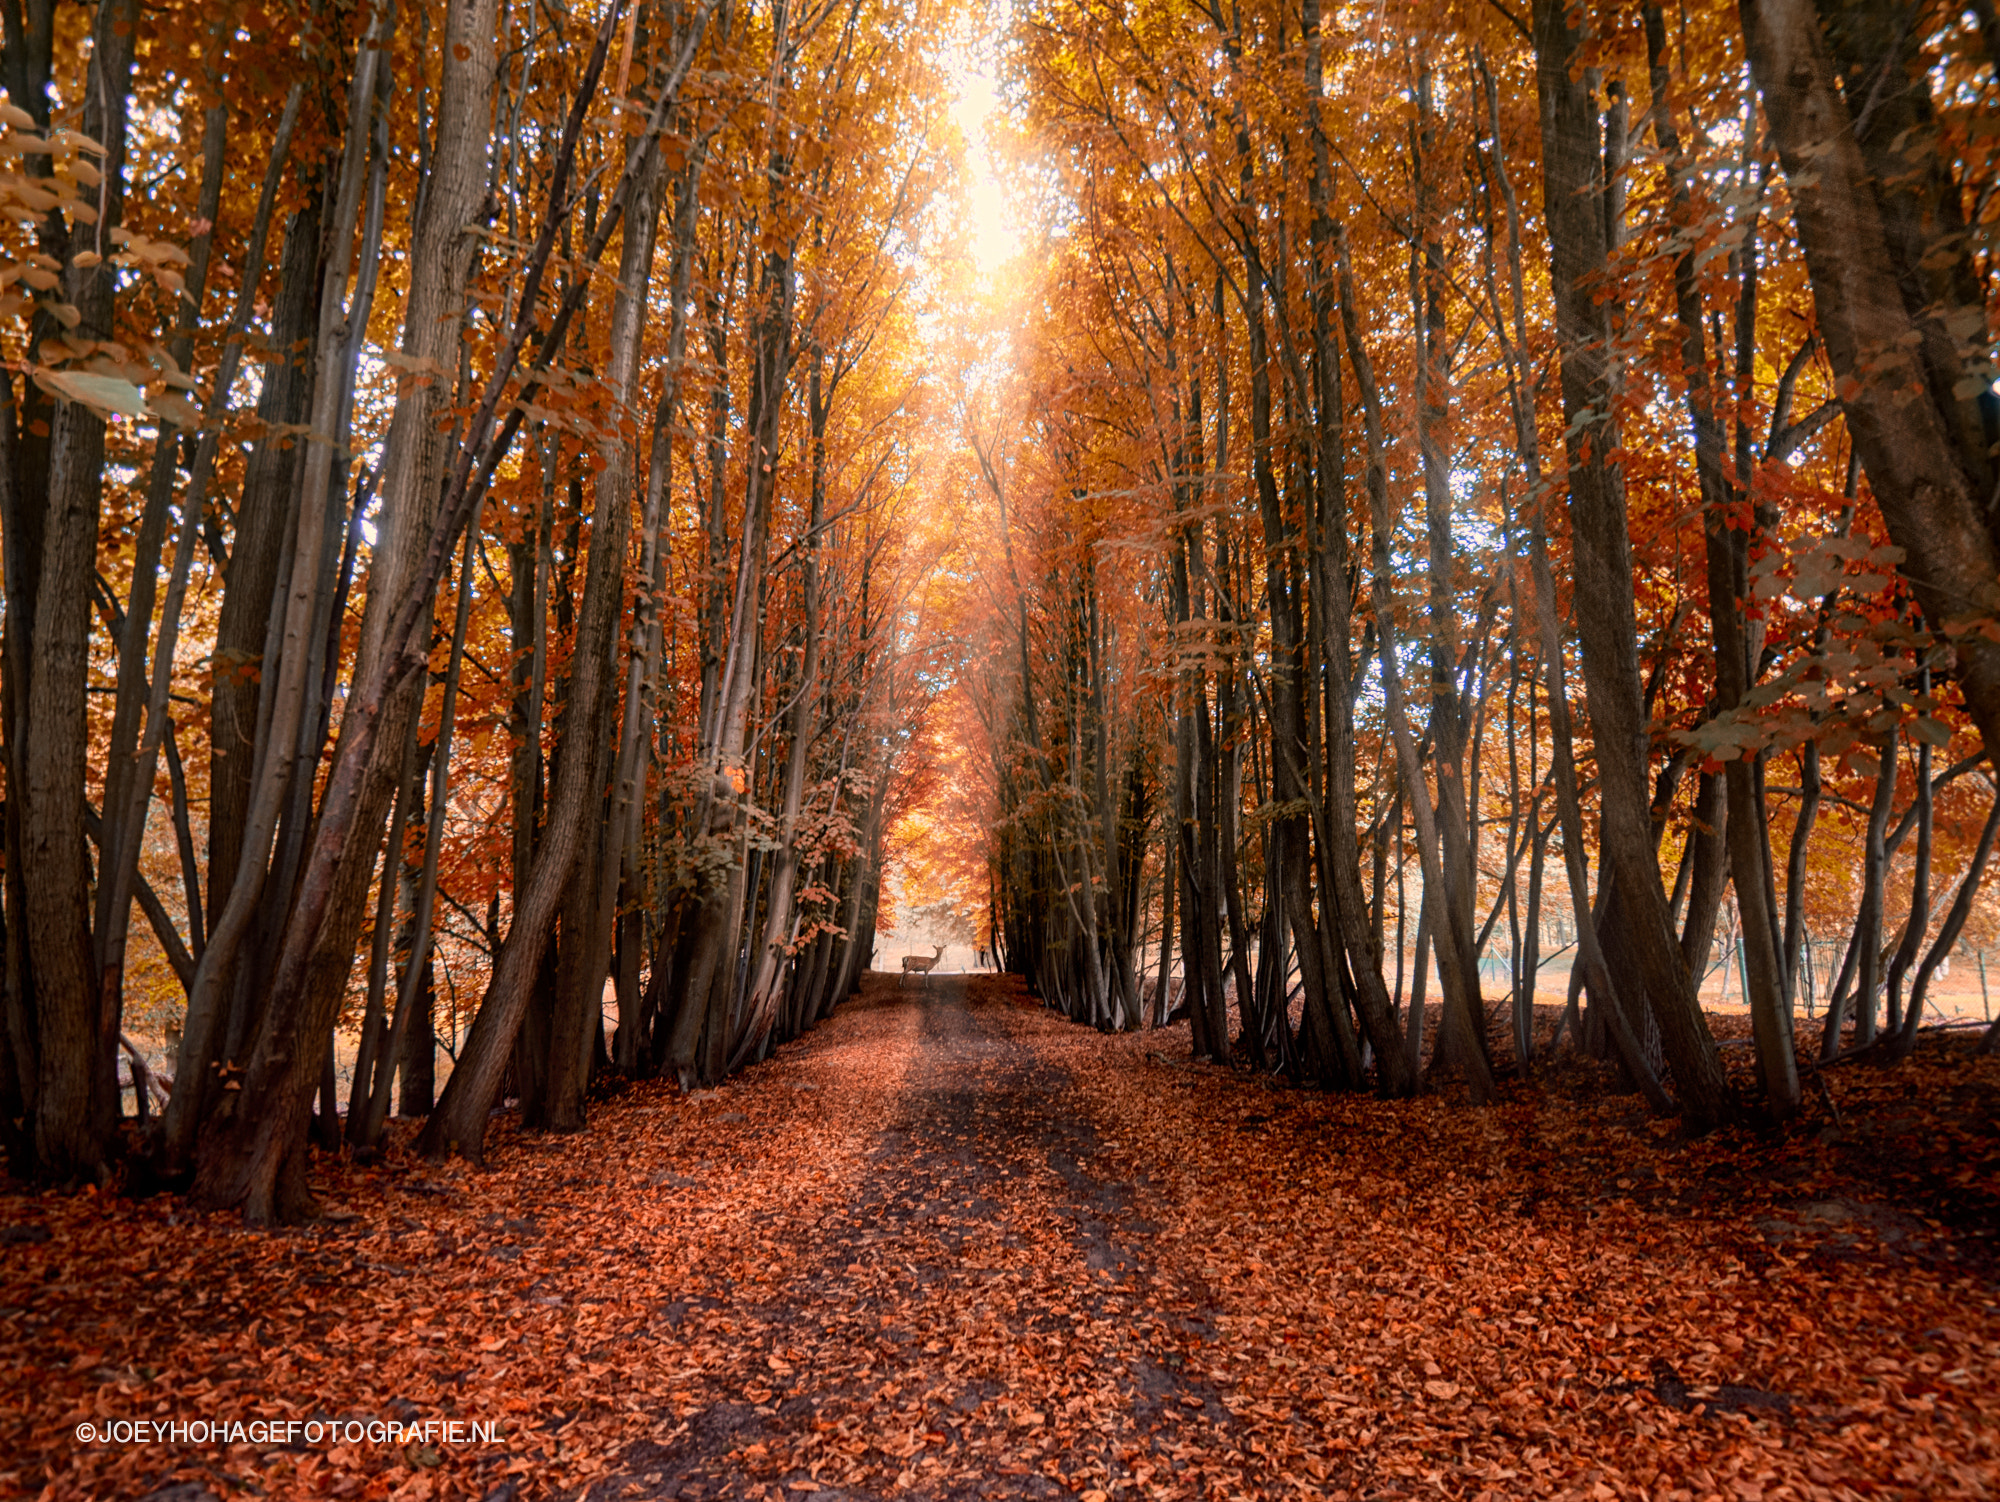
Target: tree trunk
pixel 719 918
pixel 289 638
pixel 76 1099
pixel 240 1161
pixel 1727 551
pixel 1450 719
pixel 576 803
pixel 1879 220
pixel 1461 998
pixel 1602 562
pixel 1905 1042
pixel 769 957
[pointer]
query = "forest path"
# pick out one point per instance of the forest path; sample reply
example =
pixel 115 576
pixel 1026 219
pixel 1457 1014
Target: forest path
pixel 980 1252
pixel 951 1246
pixel 979 1319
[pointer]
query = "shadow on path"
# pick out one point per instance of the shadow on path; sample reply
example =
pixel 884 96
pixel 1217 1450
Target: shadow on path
pixel 981 1282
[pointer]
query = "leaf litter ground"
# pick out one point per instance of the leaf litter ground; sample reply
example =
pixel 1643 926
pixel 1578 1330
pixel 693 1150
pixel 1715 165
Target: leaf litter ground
pixel 951 1246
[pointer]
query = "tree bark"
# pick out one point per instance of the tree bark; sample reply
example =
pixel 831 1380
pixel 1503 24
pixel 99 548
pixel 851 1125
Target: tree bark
pixel 1727 552
pixel 241 1161
pixel 1459 997
pixel 1897 296
pixel 76 1099
pixel 1602 563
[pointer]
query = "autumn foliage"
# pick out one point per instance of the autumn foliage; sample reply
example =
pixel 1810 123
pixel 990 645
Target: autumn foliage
pixel 1448 514
pixel 477 550
pixel 1458 563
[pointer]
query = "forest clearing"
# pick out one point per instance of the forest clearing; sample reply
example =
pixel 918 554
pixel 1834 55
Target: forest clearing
pixel 865 748
pixel 951 1247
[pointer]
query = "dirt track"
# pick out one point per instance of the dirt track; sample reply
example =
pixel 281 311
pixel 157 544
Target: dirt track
pixel 1067 1265
pixel 950 1246
pixel 982 1274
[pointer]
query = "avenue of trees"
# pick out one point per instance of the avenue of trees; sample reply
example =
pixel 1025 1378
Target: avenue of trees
pixel 1463 463
pixel 459 499
pixel 506 501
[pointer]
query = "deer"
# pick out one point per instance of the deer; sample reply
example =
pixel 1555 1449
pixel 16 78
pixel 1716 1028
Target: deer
pixel 922 965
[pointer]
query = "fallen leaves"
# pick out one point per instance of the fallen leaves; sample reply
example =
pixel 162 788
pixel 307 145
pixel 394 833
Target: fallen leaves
pixel 1532 1285
pixel 991 1254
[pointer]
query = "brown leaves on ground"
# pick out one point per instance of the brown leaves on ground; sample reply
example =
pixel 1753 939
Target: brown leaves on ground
pixel 951 1246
